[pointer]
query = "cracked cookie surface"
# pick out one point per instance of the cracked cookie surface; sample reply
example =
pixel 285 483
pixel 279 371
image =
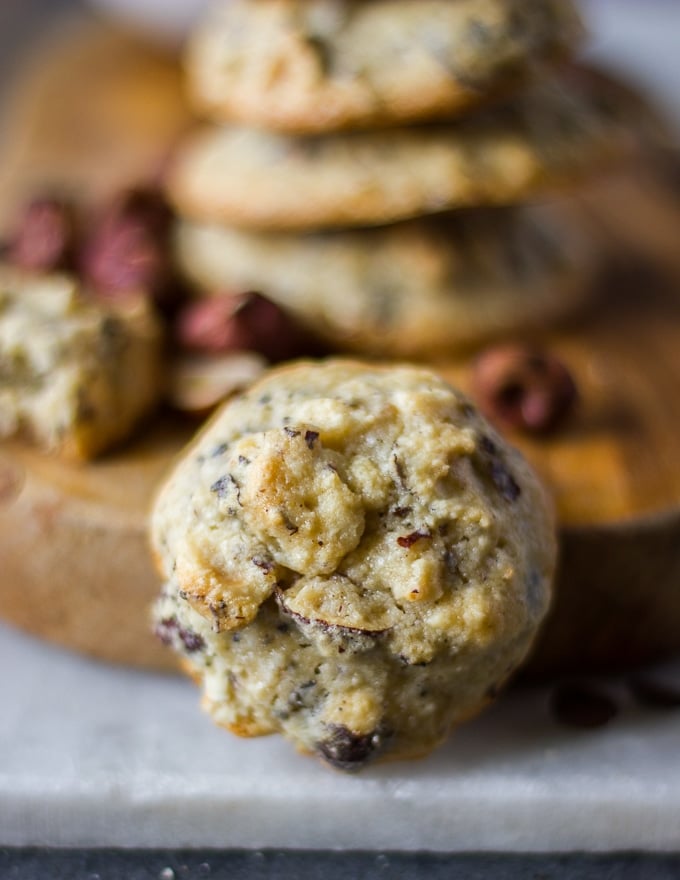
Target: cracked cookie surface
pixel 321 65
pixel 353 558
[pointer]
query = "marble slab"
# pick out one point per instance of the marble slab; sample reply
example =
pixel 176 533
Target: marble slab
pixel 92 755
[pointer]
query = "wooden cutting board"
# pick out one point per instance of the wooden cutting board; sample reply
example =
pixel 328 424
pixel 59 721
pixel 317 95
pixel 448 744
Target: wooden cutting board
pixel 96 110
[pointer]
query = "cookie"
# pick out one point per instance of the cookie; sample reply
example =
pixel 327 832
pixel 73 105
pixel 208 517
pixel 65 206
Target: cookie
pixel 308 66
pixel 77 376
pixel 411 289
pixel 353 558
pixel 550 135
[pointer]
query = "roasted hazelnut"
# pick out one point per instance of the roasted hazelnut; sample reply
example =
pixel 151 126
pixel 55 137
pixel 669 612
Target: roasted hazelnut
pixel 523 388
pixel 230 322
pixel 44 239
pixel 128 250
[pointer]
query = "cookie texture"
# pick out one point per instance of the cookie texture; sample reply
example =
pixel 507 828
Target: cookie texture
pixel 353 558
pixel 76 376
pixel 551 135
pixel 319 65
pixel 412 289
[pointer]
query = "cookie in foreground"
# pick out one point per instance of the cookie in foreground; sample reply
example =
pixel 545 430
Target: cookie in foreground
pixel 352 558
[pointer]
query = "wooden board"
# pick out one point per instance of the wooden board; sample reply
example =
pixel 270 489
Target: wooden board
pixel 614 474
pixel 99 111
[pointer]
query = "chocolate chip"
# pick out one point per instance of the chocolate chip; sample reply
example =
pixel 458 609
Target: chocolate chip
pixel 168 629
pixel 290 526
pixel 303 697
pixel 44 239
pixel 165 629
pixel 501 477
pixel 291 432
pixel 323 51
pixel 582 705
pixel 523 388
pixel 192 641
pixel 350 751
pixel 451 561
pixel 401 512
pixel 401 471
pixel 654 692
pixel 504 481
pixel 310 438
pixel 265 564
pixel 222 487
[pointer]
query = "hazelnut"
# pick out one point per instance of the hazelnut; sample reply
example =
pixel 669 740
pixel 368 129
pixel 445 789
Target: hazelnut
pixel 128 251
pixel 44 238
pixel 523 388
pixel 239 322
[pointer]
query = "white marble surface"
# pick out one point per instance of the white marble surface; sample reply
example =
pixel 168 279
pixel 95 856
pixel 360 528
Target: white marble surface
pixel 91 755
pixel 641 38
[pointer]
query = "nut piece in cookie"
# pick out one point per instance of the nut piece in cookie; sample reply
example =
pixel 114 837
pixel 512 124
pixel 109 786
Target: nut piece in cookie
pixel 353 558
pixel 75 375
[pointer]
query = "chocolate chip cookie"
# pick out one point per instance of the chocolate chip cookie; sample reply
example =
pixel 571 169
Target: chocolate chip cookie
pixel 412 289
pixel 352 558
pixel 552 134
pixel 319 65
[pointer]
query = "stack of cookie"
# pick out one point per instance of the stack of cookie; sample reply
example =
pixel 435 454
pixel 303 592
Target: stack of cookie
pixel 375 166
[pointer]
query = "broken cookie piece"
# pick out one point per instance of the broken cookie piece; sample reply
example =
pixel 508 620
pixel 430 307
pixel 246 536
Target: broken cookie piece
pixel 359 559
pixel 75 375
